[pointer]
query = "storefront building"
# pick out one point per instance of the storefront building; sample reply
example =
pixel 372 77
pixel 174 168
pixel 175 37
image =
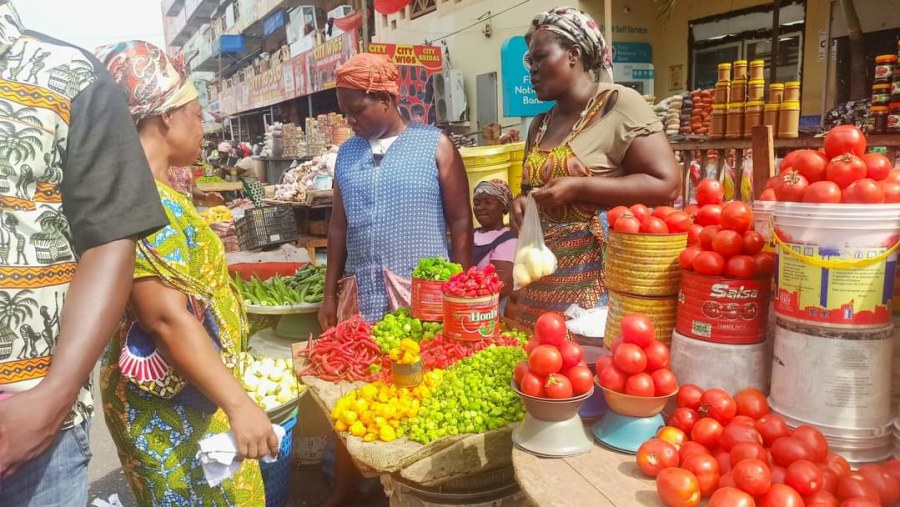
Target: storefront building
pixel 685 44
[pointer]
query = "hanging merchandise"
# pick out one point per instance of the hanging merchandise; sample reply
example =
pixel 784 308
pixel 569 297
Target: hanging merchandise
pixel 348 23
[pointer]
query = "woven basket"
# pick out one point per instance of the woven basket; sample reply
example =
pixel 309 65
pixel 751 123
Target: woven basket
pixel 644 264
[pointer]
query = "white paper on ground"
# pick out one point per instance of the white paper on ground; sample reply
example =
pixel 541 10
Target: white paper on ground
pixel 588 323
pixel 218 456
pixel 112 502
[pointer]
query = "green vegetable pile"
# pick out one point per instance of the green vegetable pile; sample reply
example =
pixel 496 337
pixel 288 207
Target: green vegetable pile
pixel 436 269
pixel 474 397
pixel 396 326
pixel 209 180
pixel 306 286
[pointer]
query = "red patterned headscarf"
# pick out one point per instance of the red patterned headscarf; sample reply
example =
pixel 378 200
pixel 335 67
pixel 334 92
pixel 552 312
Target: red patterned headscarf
pixel 154 82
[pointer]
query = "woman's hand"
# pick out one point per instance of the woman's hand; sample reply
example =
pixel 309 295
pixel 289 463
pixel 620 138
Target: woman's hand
pixel 213 199
pixel 328 313
pixel 252 431
pixel 517 212
pixel 557 192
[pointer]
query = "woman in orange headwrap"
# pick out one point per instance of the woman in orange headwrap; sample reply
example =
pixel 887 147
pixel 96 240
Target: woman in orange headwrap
pixel 399 190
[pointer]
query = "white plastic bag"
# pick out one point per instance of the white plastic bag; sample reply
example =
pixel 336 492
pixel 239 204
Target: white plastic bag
pixel 533 259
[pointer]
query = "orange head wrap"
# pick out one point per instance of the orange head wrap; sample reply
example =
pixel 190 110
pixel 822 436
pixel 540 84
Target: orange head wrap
pixel 369 73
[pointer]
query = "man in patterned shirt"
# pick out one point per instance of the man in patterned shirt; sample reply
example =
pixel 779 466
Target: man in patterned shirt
pixel 75 193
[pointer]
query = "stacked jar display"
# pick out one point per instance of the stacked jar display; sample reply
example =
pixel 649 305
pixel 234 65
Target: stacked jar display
pixel 721 99
pixel 739 103
pixel 884 99
pixel 789 112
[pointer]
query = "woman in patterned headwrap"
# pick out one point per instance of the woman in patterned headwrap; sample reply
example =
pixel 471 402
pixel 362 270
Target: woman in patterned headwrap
pixel 494 242
pixel 600 146
pixel 168 378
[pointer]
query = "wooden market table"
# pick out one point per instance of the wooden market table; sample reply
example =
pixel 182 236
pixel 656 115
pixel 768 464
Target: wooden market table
pixel 228 186
pixel 599 478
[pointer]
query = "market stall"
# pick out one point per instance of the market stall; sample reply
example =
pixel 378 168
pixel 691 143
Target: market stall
pixel 715 132
pixel 378 383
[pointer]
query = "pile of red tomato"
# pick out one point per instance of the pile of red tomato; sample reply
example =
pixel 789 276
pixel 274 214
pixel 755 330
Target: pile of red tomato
pixel 738 454
pixel 721 241
pixel 555 368
pixel 842 173
pixel 474 283
pixel 640 219
pixel 639 364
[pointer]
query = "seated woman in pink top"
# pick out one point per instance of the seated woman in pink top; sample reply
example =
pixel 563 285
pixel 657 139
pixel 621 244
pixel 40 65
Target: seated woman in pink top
pixel 494 242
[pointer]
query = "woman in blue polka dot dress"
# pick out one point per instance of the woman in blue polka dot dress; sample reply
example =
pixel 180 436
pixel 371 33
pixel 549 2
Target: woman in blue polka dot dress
pixel 400 189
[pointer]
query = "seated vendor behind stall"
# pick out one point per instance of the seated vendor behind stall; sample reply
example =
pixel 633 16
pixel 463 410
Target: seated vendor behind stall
pixel 494 242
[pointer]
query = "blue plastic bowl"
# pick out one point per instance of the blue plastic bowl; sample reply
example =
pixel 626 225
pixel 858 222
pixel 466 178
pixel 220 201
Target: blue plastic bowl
pixel 624 433
pixel 594 407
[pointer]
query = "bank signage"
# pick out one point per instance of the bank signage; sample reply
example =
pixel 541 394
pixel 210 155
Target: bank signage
pixel 519 98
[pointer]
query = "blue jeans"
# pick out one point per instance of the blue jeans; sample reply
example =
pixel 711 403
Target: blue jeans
pixel 58 477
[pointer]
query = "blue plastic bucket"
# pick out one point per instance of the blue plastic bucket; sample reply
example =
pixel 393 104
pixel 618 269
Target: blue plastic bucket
pixel 277 475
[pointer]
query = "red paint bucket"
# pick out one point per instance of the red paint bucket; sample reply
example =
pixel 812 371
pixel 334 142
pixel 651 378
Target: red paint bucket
pixel 427 300
pixel 723 310
pixel 471 319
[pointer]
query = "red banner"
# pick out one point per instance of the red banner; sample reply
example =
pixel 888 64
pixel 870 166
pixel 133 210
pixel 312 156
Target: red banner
pixel 326 58
pixel 417 65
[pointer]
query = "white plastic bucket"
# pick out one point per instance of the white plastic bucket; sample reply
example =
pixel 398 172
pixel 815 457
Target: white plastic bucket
pixel 858 449
pixel 895 372
pixel 840 379
pixel 836 263
pixel 731 367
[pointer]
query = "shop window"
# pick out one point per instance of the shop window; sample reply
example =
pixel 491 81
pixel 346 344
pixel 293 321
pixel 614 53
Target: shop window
pixel 420 8
pixel 747 35
pixel 790 49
